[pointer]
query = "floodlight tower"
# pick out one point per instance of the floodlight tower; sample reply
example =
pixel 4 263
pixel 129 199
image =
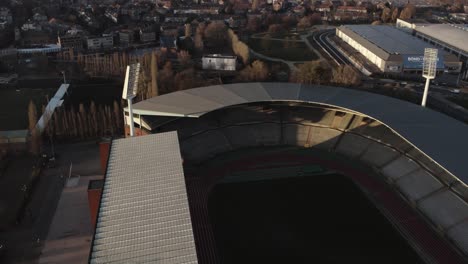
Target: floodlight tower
pixel 429 70
pixel 130 90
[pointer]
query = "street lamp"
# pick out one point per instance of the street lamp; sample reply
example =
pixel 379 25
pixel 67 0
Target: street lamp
pixel 429 70
pixel 130 91
pixel 64 80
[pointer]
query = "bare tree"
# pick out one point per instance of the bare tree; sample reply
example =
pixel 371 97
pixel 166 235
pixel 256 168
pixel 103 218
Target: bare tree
pixel 185 79
pixel 304 22
pixel 35 135
pixel 117 111
pixel 256 72
pixel 198 41
pixel 395 14
pixel 346 75
pixel 313 72
pixel 276 28
pixel 253 24
pixel 386 15
pixel 216 34
pixel 184 58
pixel 240 48
pixel 93 118
pixel 166 77
pixel 154 75
pixel 408 12
pixel 254 5
pixel 188 30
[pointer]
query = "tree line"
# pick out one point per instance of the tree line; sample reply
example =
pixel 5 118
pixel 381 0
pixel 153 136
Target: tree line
pixel 88 121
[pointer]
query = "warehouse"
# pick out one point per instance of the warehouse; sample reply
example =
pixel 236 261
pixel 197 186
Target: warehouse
pixel 452 38
pixel 393 50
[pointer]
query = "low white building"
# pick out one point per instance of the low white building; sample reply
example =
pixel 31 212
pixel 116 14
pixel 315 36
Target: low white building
pixel 219 62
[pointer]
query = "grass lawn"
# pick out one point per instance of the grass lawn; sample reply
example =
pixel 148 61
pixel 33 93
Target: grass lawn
pixel 461 102
pixel 14 107
pixel 286 50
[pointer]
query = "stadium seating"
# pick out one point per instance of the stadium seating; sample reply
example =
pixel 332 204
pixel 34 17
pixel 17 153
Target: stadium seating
pixel 246 115
pixel 296 135
pixel 378 154
pixel 266 134
pixel 425 185
pixel 418 184
pixel 352 145
pixel 205 145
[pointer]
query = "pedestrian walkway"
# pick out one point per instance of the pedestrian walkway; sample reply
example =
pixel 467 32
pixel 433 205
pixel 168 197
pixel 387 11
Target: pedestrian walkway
pixel 70 235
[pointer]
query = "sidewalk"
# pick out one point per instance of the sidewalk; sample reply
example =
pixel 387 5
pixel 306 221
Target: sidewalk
pixel 70 235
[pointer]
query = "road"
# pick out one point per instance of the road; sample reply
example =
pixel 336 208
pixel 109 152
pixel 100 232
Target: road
pixel 321 38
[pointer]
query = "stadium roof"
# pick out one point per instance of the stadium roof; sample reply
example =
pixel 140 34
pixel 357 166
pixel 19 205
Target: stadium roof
pixel 385 40
pixel 440 137
pixel 453 35
pixel 144 213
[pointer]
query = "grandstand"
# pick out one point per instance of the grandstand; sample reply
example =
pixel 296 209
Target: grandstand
pixel 406 159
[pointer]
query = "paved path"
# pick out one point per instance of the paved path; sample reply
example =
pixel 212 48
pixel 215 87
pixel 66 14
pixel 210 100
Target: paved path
pixel 25 241
pixel 69 238
pixel 290 64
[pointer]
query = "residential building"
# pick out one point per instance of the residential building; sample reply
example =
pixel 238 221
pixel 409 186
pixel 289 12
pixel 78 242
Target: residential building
pixel 147 35
pixel 74 41
pixel 104 42
pixel 5 15
pixel 126 37
pixel 347 13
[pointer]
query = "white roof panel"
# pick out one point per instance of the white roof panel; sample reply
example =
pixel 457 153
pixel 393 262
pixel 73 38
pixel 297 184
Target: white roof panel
pixel 453 35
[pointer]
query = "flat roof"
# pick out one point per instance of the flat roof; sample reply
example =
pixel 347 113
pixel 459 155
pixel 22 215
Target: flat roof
pixel 144 213
pixel 440 137
pixel 453 35
pixel 389 39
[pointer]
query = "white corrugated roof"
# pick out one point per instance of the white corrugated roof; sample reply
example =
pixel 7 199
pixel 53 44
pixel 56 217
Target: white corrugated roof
pixel 144 213
pixel 391 39
pixel 453 35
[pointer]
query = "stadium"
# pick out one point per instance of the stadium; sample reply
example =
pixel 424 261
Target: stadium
pixel 393 50
pixel 281 172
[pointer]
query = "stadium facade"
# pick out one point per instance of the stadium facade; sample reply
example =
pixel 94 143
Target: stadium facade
pixel 393 50
pixel 415 152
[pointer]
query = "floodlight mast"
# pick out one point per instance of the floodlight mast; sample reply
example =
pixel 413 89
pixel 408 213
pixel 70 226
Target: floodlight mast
pixel 429 70
pixel 129 91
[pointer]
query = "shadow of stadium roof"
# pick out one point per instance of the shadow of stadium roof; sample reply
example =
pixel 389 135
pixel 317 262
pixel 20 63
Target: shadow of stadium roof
pixel 442 138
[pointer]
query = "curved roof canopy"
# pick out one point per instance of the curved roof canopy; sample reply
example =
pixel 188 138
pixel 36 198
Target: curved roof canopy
pixel 442 138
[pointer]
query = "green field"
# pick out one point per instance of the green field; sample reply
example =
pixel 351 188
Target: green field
pixel 14 107
pixel 286 50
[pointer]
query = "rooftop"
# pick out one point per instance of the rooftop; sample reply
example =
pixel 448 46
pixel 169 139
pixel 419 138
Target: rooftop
pixel 453 35
pixel 389 39
pixel 144 212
